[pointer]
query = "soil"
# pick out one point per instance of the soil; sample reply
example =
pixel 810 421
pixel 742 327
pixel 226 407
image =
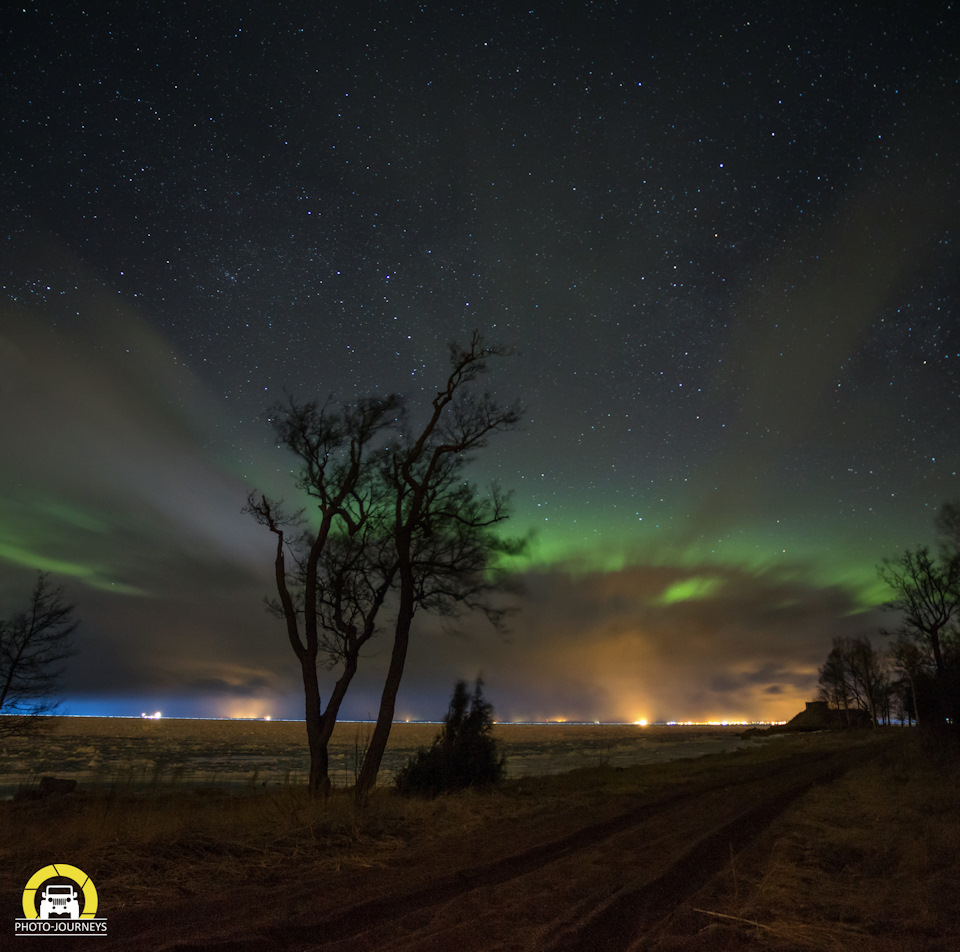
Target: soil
pixel 674 857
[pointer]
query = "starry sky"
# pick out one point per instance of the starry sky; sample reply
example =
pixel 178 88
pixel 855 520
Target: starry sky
pixel 721 238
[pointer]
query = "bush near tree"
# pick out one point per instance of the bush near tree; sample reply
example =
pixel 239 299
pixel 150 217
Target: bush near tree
pixel 464 753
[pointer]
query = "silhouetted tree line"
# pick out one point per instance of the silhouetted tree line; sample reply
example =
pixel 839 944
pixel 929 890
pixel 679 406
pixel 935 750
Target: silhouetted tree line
pixel 916 679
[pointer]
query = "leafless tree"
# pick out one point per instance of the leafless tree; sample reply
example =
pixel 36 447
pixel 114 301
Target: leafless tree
pixel 329 596
pixel 854 677
pixel 34 644
pixel 833 682
pixel 445 531
pixel 926 594
pixel 394 514
pixel 869 676
pixel 908 661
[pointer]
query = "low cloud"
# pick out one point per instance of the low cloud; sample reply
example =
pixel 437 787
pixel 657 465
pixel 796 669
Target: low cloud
pixel 605 645
pixel 599 646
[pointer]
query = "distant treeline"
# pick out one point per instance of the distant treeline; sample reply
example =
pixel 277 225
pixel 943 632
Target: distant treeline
pixel 915 678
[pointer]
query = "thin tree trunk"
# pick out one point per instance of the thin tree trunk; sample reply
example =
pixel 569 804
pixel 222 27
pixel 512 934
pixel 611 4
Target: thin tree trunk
pixel 332 711
pixel 391 686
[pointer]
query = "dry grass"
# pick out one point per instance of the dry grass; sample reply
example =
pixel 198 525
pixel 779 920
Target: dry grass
pixel 867 863
pixel 154 842
pixel 151 844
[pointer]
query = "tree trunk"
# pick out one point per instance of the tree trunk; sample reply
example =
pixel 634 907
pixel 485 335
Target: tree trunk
pixel 944 694
pixel 321 723
pixel 388 699
pixel 319 783
pixel 332 712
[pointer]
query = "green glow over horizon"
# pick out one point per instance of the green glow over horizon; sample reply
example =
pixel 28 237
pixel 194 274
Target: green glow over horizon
pixel 690 589
pixel 45 525
pixel 811 554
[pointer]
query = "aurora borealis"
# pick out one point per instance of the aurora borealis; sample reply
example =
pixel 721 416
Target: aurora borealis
pixel 722 239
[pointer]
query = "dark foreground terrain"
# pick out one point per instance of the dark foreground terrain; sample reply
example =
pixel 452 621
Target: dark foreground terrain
pixel 810 842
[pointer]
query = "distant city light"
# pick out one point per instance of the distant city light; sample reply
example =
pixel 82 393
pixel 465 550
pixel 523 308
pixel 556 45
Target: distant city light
pixel 642 722
pixel 152 717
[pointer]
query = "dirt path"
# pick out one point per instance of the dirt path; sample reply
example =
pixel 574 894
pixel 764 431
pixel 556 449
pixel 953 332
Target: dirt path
pixel 566 882
pixel 631 915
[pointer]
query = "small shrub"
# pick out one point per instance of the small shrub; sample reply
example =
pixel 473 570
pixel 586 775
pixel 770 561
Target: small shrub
pixel 464 753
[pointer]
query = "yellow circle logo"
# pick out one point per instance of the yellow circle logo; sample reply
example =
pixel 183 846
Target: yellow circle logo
pixel 60 899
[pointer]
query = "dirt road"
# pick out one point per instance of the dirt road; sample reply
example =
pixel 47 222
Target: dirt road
pixel 588 874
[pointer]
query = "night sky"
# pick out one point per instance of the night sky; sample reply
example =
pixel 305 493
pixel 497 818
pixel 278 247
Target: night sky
pixel 722 239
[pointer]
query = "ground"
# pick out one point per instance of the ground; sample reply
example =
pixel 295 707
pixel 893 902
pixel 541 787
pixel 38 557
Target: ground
pixel 826 841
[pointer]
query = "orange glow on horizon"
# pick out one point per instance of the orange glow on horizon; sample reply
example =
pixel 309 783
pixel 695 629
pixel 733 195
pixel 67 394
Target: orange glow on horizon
pixel 248 711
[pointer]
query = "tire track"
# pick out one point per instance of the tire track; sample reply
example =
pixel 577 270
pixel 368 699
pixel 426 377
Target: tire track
pixel 618 922
pixel 622 924
pixel 614 924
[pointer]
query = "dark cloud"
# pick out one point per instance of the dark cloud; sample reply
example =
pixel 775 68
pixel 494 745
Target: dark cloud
pixel 257 686
pixel 604 645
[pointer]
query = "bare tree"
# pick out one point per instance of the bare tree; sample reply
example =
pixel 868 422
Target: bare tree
pixel 445 531
pixel 34 644
pixel 833 681
pixel 926 593
pixel 908 662
pixel 869 677
pixel 330 596
pixel 854 677
pixel 393 513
